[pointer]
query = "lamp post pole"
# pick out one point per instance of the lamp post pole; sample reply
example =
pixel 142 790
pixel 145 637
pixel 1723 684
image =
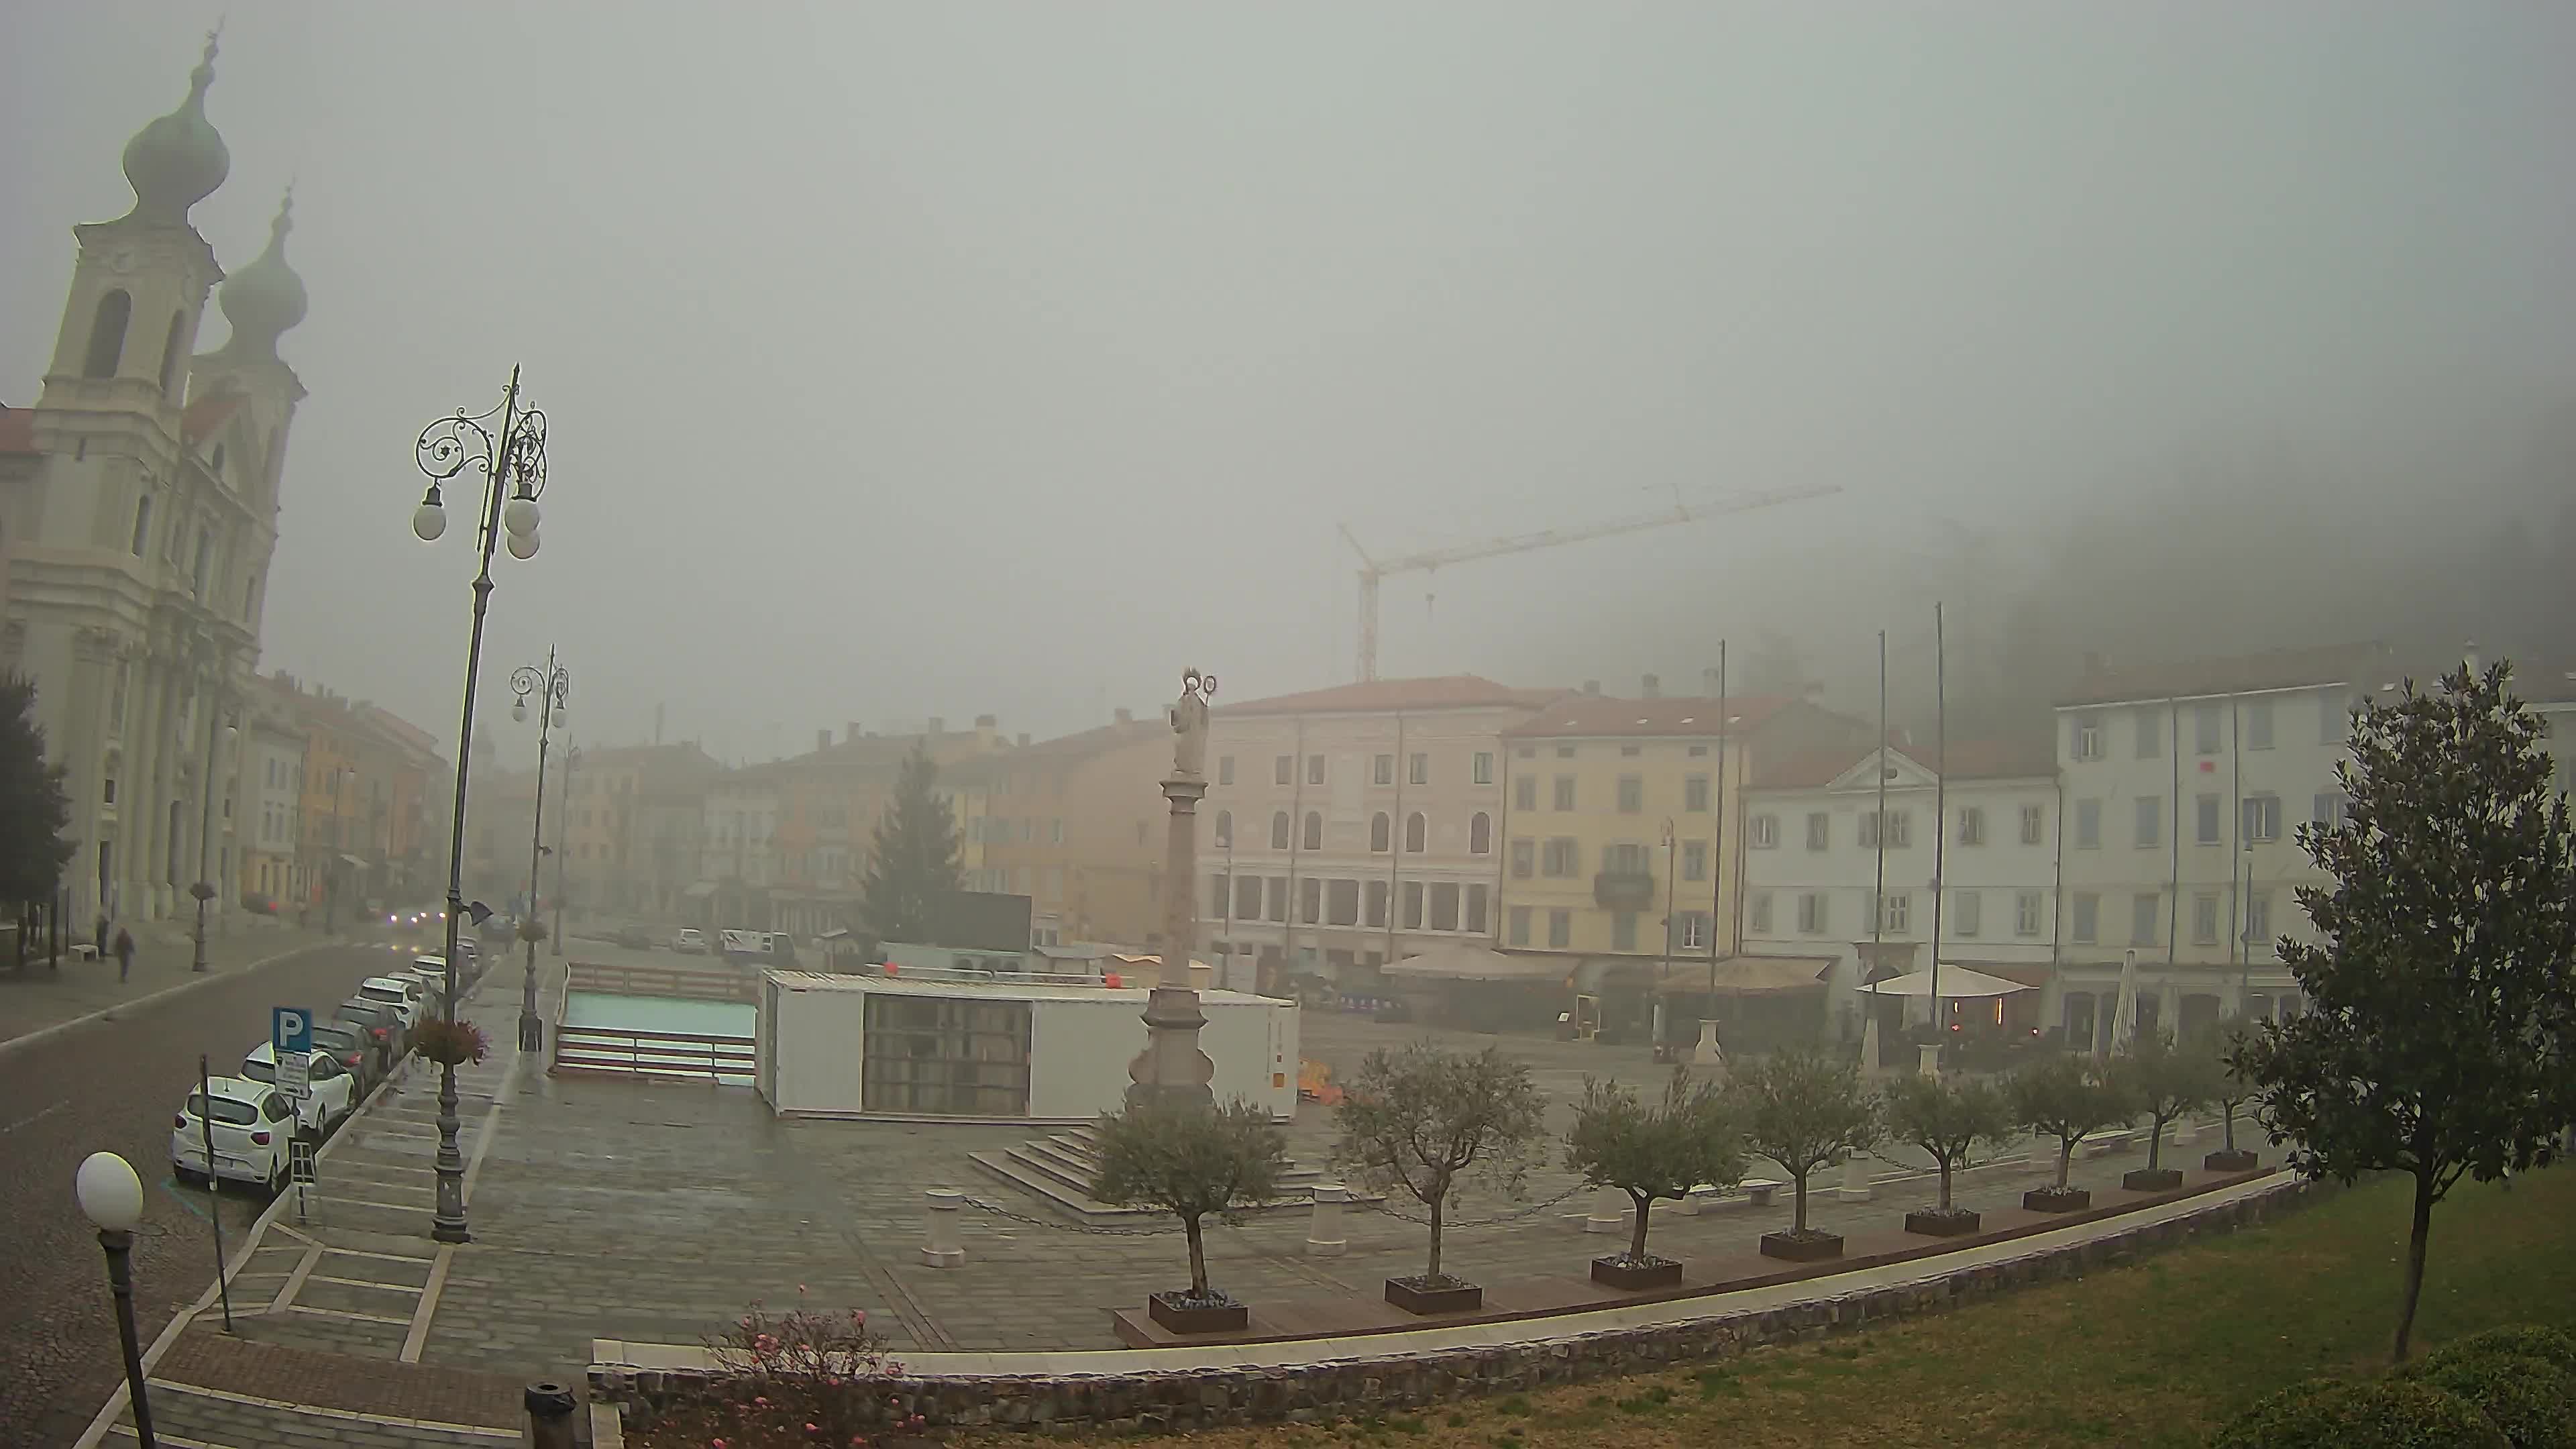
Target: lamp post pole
pixel 331 866
pixel 550 685
pixel 204 889
pixel 1664 975
pixel 563 841
pixel 513 465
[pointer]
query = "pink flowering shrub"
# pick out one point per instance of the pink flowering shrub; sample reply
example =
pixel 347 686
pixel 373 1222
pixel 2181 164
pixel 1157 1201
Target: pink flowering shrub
pixel 803 1377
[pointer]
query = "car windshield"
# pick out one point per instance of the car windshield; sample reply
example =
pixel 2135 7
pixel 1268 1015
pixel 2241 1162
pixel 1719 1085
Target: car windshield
pixel 335 1038
pixel 259 1071
pixel 227 1109
pixel 384 993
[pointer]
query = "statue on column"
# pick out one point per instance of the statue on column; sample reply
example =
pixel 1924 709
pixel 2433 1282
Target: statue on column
pixel 1189 716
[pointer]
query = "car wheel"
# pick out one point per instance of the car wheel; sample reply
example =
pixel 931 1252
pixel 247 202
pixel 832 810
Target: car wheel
pixel 183 1176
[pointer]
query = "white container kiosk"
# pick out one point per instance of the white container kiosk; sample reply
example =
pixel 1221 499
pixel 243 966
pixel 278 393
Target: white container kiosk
pixel 995 1049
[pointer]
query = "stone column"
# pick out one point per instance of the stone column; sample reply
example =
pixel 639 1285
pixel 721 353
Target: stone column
pixel 1856 1187
pixel 1172 1071
pixel 1324 1237
pixel 139 801
pixel 942 1245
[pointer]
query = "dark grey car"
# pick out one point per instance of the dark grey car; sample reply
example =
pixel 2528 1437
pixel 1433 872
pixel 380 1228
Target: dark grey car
pixel 356 1050
pixel 383 1025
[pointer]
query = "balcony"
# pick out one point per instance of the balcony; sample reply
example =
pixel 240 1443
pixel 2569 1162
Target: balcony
pixel 1624 890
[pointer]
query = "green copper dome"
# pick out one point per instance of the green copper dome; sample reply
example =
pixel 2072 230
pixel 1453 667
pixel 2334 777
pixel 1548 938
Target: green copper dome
pixel 178 160
pixel 264 299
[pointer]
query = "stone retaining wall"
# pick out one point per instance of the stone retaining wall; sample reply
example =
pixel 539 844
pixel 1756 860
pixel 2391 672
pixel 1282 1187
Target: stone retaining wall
pixel 1393 1381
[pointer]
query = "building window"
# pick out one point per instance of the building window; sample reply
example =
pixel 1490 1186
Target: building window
pixel 1377 903
pixel 2026 913
pixel 1630 751
pixel 1475 918
pixel 1225 769
pixel 1525 793
pixel 111 790
pixel 2151 819
pixel 2331 809
pixel 1314 830
pixel 1695 792
pixel 1967 911
pixel 1694 860
pixel 2204 819
pixel 1695 930
pixel 2258 923
pixel 1896 912
pixel 1765 830
pixel 1565 752
pixel 142 524
pixel 1758 913
pixel 2087 912
pixel 1900 829
pixel 1516 932
pixel 1632 794
pixel 2087 741
pixel 2334 720
pixel 1342 903
pixel 2262 817
pixel 1314 769
pixel 1484 767
pixel 2150 733
pixel 1559 860
pixel 1564 799
pixel 1413 905
pixel 2144 907
pixel 1278 830
pixel 2204 729
pixel 171 350
pixel 2088 824
pixel 1560 929
pixel 2258 725
pixel 1820 830
pixel 1623 930
pixel 1381 831
pixel 1480 834
pixel 2034 824
pixel 1417 833
pixel 2204 918
pixel 1310 900
pixel 1524 858
pixel 1972 825
pixel 1283 770
pixel 107 334
pixel 1525 752
pixel 1382 770
pixel 1812 915
pixel 1625 857
pixel 1420 773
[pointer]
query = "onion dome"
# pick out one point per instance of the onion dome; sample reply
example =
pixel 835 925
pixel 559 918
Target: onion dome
pixel 265 298
pixel 178 160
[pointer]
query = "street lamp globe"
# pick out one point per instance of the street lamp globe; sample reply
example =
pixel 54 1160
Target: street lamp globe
pixel 428 521
pixel 519 710
pixel 523 545
pixel 519 515
pixel 110 1194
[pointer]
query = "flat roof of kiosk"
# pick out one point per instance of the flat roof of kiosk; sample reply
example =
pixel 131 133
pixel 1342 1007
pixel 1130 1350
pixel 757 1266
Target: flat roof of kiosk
pixel 1014 990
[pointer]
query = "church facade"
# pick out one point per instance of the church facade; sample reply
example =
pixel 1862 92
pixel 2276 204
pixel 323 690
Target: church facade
pixel 138 517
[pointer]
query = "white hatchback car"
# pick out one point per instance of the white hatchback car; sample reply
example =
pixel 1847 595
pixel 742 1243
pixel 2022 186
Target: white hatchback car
pixel 404 994
pixel 252 1124
pixel 332 1094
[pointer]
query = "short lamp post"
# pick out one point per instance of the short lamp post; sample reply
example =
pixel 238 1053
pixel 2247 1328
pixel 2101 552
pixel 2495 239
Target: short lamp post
pixel 204 889
pixel 551 685
pixel 512 463
pixel 111 1196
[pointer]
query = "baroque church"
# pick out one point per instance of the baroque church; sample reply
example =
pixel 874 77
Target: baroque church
pixel 138 515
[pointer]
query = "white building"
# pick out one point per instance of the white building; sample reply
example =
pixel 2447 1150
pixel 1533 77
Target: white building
pixel 270 813
pixel 2185 785
pixel 138 512
pixel 1813 857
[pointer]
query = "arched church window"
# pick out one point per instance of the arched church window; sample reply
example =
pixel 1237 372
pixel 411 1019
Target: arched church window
pixel 142 523
pixel 170 351
pixel 107 334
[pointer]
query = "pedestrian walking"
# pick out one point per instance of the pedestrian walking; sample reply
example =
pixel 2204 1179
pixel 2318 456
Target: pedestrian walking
pixel 124 953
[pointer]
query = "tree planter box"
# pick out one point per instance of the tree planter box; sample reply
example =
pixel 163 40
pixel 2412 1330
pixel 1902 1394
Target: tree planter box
pixel 1437 1295
pixel 2152 1179
pixel 1812 1246
pixel 1934 1223
pixel 2240 1160
pixel 1181 1313
pixel 1635 1273
pixel 2056 1200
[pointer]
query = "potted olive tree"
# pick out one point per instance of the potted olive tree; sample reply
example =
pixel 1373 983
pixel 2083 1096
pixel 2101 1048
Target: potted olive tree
pixel 2065 1099
pixel 1424 1122
pixel 1651 1153
pixel 1803 1110
pixel 2163 1081
pixel 2229 1090
pixel 1193 1164
pixel 1947 1118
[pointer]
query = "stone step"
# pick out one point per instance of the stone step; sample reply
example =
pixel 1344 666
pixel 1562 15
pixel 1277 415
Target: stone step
pixel 1045 1170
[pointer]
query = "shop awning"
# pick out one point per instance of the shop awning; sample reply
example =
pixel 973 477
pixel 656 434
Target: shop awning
pixel 1464 962
pixel 1764 975
pixel 1956 981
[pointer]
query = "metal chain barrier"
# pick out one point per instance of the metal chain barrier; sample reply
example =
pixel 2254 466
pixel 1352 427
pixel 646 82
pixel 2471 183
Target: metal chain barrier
pixel 1000 1211
pixel 1515 1215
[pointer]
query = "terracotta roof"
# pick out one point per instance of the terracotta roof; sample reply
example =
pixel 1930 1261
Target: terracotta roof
pixel 1966 759
pixel 1064 749
pixel 2357 664
pixel 1808 769
pixel 206 414
pixel 17 430
pixel 1590 715
pixel 1379 696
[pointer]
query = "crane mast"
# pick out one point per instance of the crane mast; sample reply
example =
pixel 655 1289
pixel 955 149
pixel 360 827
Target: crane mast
pixel 1373 571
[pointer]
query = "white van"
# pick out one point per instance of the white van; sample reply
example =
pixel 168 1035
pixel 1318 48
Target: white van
pixel 767 948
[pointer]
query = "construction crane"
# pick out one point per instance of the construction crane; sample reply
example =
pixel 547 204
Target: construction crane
pixel 1374 571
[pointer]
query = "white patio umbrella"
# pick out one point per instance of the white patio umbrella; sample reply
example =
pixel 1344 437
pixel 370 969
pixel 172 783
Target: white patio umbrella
pixel 1869 1046
pixel 2124 1013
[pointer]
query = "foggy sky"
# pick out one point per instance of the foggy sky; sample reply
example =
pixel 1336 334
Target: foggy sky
pixel 949 359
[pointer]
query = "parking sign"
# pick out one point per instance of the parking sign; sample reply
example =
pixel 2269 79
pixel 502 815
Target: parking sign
pixel 290 1037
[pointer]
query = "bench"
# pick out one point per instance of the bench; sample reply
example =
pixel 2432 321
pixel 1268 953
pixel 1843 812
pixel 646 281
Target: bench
pixel 1759 1190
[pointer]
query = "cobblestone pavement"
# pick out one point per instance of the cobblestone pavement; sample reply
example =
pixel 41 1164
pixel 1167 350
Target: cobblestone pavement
pixel 114 1085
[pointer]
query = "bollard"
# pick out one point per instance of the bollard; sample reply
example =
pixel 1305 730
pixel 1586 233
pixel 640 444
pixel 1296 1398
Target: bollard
pixel 942 1247
pixel 2185 1132
pixel 1324 1230
pixel 1855 1186
pixel 550 1416
pixel 1609 1211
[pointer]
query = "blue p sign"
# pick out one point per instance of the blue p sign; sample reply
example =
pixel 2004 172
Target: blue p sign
pixel 290 1031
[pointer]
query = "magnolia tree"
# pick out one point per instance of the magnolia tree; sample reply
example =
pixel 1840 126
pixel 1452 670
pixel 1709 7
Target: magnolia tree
pixel 1192 1163
pixel 1803 1110
pixel 2163 1081
pixel 2442 983
pixel 1654 1152
pixel 1424 1122
pixel 1947 1118
pixel 2066 1099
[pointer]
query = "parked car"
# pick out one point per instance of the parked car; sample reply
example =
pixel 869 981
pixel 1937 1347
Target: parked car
pixel 251 1124
pixel 430 974
pixel 404 994
pixel 634 938
pixel 355 1050
pixel 382 1024
pixel 331 1092
pixel 690 942
pixel 469 963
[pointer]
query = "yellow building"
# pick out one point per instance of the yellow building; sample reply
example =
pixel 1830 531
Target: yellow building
pixel 1623 822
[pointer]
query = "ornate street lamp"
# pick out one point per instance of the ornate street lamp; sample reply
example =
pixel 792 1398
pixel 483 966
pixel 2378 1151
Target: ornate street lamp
pixel 551 685
pixel 111 1197
pixel 513 468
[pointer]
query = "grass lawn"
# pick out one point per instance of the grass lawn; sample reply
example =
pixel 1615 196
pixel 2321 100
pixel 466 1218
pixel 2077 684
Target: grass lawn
pixel 2154 1354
